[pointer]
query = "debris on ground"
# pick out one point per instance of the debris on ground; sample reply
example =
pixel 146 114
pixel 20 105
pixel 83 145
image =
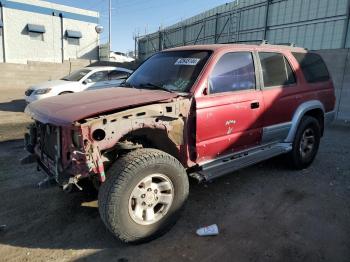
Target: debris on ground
pixel 46 183
pixel 211 230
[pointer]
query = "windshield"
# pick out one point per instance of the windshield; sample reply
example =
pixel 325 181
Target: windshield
pixel 174 71
pixel 76 75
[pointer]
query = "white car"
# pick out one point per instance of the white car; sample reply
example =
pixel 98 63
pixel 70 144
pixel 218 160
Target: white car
pixel 87 78
pixel 120 57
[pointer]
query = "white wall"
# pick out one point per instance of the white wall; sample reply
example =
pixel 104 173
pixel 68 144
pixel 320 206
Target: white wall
pixel 20 48
pixel 1 35
pixel 1 48
pixel 88 43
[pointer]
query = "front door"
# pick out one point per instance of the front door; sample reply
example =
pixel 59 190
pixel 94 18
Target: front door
pixel 229 117
pixel 97 80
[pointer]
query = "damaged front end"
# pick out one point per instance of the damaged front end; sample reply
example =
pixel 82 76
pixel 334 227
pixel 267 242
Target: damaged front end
pixel 59 152
pixel 85 149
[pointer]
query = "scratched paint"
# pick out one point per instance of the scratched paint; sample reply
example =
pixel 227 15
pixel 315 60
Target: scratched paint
pixel 230 122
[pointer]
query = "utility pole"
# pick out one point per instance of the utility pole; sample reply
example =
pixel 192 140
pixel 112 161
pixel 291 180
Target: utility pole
pixel 110 26
pixel 135 39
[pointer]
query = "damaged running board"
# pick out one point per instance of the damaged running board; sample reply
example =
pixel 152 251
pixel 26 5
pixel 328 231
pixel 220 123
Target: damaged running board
pixel 227 164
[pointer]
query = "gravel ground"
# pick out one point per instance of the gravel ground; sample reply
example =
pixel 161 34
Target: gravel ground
pixel 264 213
pixel 13 121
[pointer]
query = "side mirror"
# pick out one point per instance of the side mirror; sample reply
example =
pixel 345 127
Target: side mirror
pixel 87 81
pixel 205 91
pixel 207 87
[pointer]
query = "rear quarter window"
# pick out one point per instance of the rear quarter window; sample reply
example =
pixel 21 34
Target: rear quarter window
pixel 313 67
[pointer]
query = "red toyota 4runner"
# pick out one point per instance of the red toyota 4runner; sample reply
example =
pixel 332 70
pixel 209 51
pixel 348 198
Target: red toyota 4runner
pixel 200 111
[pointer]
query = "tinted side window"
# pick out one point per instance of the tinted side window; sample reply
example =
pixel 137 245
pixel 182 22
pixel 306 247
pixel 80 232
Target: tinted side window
pixel 313 67
pixel 99 76
pixel 233 71
pixel 115 75
pixel 276 70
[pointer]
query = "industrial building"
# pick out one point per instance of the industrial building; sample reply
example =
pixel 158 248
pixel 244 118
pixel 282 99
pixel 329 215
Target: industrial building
pixel 313 24
pixel 35 30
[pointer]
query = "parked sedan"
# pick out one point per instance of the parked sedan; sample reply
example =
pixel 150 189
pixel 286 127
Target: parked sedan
pixel 84 79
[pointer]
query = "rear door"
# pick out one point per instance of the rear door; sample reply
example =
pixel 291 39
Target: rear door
pixel 229 116
pixel 280 93
pixel 98 80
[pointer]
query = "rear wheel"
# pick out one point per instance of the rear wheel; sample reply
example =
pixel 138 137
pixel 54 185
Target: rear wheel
pixel 306 143
pixel 143 195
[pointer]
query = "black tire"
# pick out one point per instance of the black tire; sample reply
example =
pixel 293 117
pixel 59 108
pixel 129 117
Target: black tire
pixel 298 158
pixel 123 176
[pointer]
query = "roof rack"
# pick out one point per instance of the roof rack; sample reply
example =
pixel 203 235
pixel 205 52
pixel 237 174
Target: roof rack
pixel 246 41
pixel 288 44
pixel 264 42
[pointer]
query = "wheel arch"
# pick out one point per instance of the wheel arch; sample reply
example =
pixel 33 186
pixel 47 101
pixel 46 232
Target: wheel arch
pixel 65 92
pixel 156 138
pixel 312 108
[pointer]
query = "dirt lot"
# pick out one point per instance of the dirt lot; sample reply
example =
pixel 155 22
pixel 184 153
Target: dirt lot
pixel 264 213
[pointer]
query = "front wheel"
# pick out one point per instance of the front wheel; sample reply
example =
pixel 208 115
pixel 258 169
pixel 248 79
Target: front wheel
pixel 305 144
pixel 143 195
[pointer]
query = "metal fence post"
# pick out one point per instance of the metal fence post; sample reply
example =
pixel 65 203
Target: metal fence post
pixel 238 27
pixel 266 18
pixel 346 27
pixel 62 37
pixel 184 35
pixel 160 40
pixel 3 33
pixel 216 28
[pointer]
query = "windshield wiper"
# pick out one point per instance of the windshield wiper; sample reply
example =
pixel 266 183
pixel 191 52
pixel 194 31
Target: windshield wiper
pixel 154 86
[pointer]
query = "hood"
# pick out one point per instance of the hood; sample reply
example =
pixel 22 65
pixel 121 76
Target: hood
pixel 50 84
pixel 64 110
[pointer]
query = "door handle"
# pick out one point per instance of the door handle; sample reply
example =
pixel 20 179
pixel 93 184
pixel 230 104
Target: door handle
pixel 254 105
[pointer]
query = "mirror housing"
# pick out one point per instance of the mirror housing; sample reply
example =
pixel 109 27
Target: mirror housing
pixel 206 88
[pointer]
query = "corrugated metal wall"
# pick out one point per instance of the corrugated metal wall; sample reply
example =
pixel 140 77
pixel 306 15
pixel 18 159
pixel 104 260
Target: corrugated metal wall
pixel 313 24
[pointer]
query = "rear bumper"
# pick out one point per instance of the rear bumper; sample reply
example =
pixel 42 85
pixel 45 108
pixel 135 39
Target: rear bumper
pixel 329 117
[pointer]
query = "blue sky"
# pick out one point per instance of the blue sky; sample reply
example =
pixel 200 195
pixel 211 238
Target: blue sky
pixel 130 16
